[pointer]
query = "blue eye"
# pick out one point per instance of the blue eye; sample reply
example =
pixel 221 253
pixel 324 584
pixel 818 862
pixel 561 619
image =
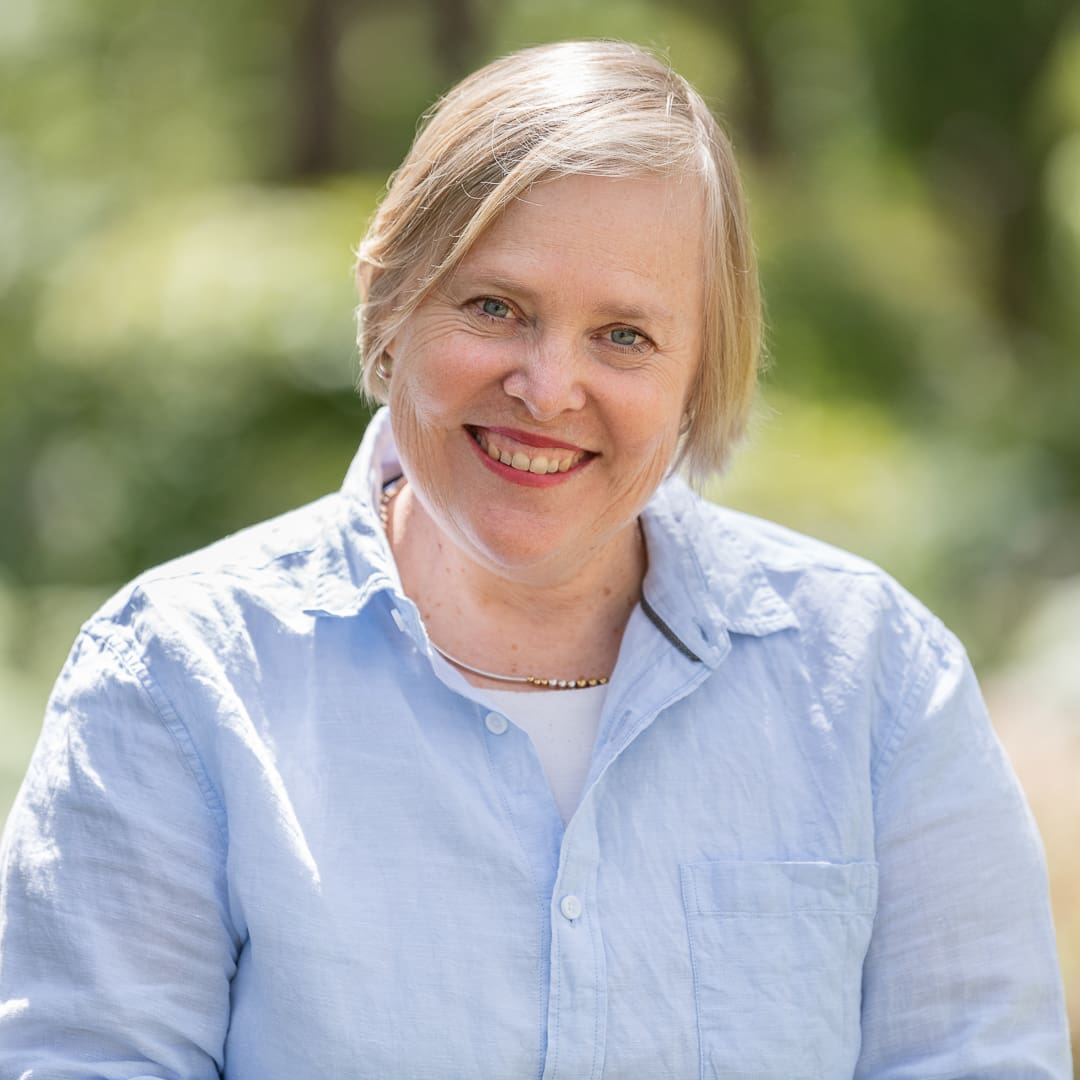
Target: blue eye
pixel 623 335
pixel 495 308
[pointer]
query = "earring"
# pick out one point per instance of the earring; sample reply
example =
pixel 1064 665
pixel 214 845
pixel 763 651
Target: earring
pixel 382 366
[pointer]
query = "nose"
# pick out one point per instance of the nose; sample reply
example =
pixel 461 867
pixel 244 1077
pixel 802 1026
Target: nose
pixel 547 378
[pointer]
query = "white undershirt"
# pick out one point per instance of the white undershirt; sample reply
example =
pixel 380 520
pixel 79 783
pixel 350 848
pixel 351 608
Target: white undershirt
pixel 562 725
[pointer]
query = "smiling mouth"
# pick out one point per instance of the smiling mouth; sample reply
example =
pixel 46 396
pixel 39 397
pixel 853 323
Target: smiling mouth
pixel 540 460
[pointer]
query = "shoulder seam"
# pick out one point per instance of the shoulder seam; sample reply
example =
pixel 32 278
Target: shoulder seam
pixel 915 692
pixel 226 569
pixel 226 555
pixel 819 554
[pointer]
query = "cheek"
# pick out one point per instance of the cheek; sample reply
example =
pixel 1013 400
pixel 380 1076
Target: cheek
pixel 419 392
pixel 652 418
pixel 649 427
pixel 415 414
pixel 445 378
pixel 647 448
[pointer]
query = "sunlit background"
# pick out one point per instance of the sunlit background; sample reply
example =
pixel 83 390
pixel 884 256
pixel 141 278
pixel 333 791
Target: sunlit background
pixel 181 186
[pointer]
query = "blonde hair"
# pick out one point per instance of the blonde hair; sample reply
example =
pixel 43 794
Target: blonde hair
pixel 601 108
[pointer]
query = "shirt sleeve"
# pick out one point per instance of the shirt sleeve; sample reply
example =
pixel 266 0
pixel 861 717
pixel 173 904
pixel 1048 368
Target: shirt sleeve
pixel 961 978
pixel 116 951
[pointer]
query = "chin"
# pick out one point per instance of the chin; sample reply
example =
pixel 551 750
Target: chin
pixel 523 555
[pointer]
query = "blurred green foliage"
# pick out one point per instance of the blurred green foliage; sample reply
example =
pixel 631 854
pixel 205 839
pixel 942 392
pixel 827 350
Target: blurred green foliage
pixel 181 187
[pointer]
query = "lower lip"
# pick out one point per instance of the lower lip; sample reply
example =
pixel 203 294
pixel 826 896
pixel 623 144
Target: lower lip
pixel 520 476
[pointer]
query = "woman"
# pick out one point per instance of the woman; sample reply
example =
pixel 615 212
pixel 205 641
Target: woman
pixel 515 758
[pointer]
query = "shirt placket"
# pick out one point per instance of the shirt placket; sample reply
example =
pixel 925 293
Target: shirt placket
pixel 572 999
pixel 577 1002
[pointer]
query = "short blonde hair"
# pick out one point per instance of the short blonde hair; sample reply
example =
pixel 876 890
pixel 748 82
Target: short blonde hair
pixel 602 108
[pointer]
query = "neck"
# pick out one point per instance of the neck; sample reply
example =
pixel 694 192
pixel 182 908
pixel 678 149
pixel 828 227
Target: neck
pixel 548 620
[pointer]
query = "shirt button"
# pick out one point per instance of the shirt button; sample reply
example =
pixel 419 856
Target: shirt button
pixel 570 906
pixel 496 724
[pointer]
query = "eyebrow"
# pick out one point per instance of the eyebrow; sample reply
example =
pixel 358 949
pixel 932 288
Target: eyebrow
pixel 615 309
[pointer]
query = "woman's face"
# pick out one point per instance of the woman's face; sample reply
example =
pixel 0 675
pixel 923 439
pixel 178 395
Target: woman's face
pixel 537 396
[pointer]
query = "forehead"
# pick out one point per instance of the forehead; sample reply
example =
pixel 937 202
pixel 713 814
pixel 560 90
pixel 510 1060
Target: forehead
pixel 633 237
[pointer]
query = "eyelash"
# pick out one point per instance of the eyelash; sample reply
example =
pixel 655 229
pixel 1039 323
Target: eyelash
pixel 641 345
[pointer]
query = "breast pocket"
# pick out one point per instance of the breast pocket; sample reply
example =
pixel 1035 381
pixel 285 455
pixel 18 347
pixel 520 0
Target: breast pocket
pixel 777 950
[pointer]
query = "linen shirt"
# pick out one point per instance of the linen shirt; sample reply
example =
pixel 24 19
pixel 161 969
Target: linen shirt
pixel 263 836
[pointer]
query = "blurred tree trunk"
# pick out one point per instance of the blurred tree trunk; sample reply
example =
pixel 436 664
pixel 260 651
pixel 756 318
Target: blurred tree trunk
pixel 746 24
pixel 456 44
pixel 756 106
pixel 964 94
pixel 314 142
pixel 456 37
pixel 1023 240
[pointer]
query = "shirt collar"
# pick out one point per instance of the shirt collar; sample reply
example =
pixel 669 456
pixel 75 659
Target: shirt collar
pixel 703 582
pixel 356 562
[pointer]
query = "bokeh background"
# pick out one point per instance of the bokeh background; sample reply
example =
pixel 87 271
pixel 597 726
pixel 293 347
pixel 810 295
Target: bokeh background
pixel 181 187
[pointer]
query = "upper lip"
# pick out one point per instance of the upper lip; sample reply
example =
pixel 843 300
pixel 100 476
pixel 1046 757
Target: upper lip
pixel 529 438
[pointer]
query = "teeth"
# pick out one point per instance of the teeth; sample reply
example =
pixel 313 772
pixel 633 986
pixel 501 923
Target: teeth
pixel 540 465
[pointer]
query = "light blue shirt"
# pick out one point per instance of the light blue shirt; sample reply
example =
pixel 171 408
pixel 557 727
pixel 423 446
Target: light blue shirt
pixel 264 836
